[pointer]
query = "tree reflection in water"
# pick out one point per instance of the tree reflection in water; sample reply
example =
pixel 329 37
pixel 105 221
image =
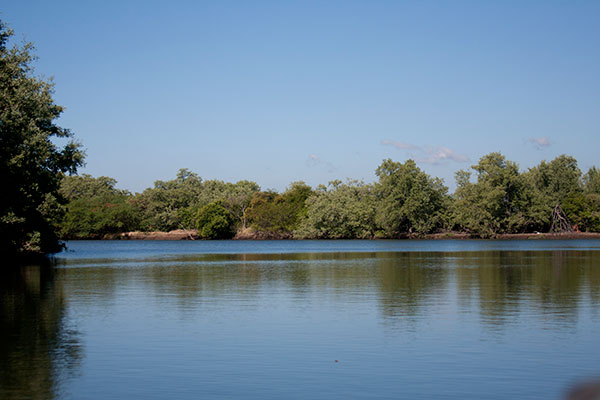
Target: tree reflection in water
pixel 458 314
pixel 37 348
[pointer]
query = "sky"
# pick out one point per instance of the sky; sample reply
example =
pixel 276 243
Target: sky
pixel 282 91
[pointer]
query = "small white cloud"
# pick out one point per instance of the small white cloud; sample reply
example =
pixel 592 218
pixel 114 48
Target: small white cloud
pixel 433 154
pixel 540 142
pixel 439 154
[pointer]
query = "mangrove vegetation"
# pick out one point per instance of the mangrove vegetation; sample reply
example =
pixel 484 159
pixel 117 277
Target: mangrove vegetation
pixel 493 197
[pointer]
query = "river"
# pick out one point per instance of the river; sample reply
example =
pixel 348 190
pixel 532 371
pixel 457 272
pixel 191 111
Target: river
pixel 444 319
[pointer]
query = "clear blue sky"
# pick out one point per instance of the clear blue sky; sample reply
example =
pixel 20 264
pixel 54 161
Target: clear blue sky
pixel 279 91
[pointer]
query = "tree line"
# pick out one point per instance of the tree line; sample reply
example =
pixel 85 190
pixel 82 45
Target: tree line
pixel 493 197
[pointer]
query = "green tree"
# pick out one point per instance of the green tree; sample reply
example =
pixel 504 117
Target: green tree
pixel 409 199
pixel 31 163
pixel 339 211
pixel 583 207
pixel 85 186
pixel 591 181
pixel 552 184
pixel 215 222
pixel 163 206
pixel 583 210
pixel 174 204
pixel 96 208
pixel 264 214
pixel 275 213
pixel 237 197
pixel 556 180
pixel 500 201
pixel 471 211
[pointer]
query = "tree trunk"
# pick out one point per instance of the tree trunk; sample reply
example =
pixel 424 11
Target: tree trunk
pixel 560 223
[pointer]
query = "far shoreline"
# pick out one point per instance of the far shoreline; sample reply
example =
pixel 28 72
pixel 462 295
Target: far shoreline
pixel 181 234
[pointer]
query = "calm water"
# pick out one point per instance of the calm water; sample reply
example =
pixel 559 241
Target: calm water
pixel 297 320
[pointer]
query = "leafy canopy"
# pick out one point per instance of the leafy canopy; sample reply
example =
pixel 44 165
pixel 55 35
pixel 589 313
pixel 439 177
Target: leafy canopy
pixel 32 164
pixel 409 199
pixel 215 222
pixel 339 211
pixel 278 213
pixel 96 208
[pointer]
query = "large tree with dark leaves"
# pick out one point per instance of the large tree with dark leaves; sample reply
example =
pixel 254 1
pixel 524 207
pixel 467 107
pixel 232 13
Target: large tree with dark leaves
pixel 32 164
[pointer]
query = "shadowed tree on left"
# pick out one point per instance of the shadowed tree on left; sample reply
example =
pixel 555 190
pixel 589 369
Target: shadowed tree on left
pixel 35 153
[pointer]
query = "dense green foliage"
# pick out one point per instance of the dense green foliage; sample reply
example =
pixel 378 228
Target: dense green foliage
pixel 404 201
pixel 409 200
pixel 31 163
pixel 278 213
pixel 340 211
pixel 174 204
pixel 503 200
pixel 166 206
pixel 498 202
pixel 591 181
pixel 215 222
pixel 96 208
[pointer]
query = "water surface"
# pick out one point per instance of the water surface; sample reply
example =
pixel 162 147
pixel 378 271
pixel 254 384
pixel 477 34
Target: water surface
pixel 322 319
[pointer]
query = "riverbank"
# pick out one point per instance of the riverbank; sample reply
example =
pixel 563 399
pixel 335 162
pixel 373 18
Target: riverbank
pixel 192 234
pixel 179 234
pixel 505 236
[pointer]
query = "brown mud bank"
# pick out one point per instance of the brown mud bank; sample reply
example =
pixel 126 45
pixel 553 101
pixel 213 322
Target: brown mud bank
pixel 179 234
pixel 564 235
pixel 192 234
pixel 251 234
pixel 511 236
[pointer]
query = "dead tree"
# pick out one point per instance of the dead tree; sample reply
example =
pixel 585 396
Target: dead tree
pixel 560 223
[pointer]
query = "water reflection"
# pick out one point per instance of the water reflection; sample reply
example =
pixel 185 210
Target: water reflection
pixel 498 285
pixel 232 324
pixel 410 284
pixel 37 348
pixel 547 284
